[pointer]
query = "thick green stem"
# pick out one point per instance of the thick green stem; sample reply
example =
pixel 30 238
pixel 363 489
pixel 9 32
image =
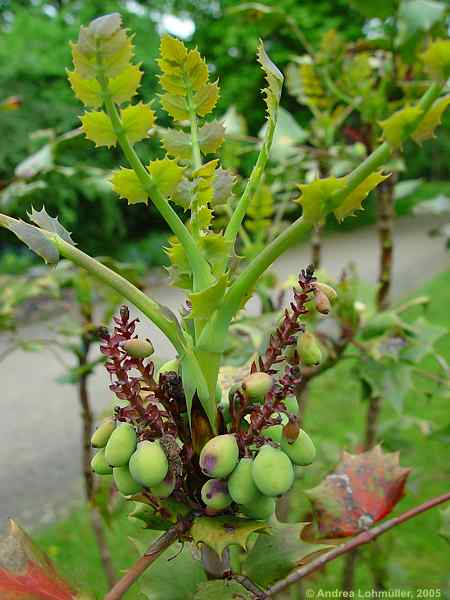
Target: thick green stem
pixel 199 265
pixel 149 307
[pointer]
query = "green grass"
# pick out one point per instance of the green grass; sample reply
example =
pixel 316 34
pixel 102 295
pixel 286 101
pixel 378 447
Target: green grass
pixel 415 555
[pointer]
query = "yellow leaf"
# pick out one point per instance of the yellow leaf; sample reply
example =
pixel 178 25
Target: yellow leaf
pixel 400 125
pixel 353 201
pixel 196 69
pixel 206 170
pixel 98 128
pixel 137 120
pixel 175 106
pixel 206 98
pixel 437 59
pixel 126 183
pixel 124 86
pixel 316 198
pixel 86 90
pixel 84 65
pixel 431 120
pixel 166 174
pixel 172 49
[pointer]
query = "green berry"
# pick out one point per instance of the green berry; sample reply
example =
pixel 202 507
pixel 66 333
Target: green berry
pixel 137 348
pixel 99 464
pixel 301 451
pixel 165 488
pixel 272 471
pixel 257 385
pixel 103 433
pixel 273 432
pixel 125 482
pixel 241 486
pixel 148 464
pixel 121 445
pixel 261 508
pixel 219 456
pixel 308 349
pixel 326 289
pixel 215 494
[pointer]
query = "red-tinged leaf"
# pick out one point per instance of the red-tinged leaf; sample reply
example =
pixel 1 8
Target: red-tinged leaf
pixel 362 490
pixel 26 573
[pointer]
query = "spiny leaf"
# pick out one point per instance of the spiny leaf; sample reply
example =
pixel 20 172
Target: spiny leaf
pixel 220 532
pixel 211 137
pixel 353 201
pixel 166 174
pixel 203 194
pixel 223 186
pixel 316 198
pixel 361 491
pixel 205 99
pixel 125 182
pixel 43 220
pixel 137 120
pixel 437 59
pixel 431 120
pixel 274 79
pixel 177 143
pixel 400 125
pixel 274 556
pixel 204 303
pixel 175 106
pixel 35 239
pixel 98 128
pixel 215 247
pixel 25 571
pixel 123 87
pixel 86 90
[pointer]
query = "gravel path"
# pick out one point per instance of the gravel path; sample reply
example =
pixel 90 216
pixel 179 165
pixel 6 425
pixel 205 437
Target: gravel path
pixel 40 425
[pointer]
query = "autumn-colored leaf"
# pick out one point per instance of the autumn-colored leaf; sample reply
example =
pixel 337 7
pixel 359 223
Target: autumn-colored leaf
pixel 361 491
pixel 26 573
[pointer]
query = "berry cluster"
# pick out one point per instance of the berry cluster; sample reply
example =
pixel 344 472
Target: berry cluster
pixel 148 446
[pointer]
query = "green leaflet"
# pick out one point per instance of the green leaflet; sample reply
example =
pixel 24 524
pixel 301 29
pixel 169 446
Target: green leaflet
pixel 353 201
pixel 44 221
pixel 203 194
pixel 210 137
pixel 304 84
pixel 137 119
pixel 127 185
pixel 166 174
pixel 32 237
pixel 436 59
pixel 260 211
pixel 184 76
pixel 205 302
pixel 431 120
pixel 400 125
pixel 274 79
pixel 179 143
pixel 316 198
pixel 122 88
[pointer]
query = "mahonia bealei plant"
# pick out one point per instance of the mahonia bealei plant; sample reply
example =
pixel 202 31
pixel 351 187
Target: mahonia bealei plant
pixel 179 439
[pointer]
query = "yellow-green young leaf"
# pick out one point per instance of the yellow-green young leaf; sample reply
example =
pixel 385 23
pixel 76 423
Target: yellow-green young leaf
pixel 172 49
pixel 437 59
pixel 274 79
pixel 316 198
pixel 211 136
pixel 180 271
pixel 177 143
pixel 205 302
pixel 304 84
pixel 353 201
pixel 86 90
pixel 215 248
pixel 125 85
pixel 205 99
pixel 203 194
pixel 137 120
pixel 431 120
pixel 166 174
pixel 84 65
pixel 125 182
pixel 175 106
pixel 98 128
pixel 400 125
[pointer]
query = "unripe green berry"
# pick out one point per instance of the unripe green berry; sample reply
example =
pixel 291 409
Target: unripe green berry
pixel 215 494
pixel 272 471
pixel 125 482
pixel 121 445
pixel 138 348
pixel 257 385
pixel 99 464
pixel 219 456
pixel 165 488
pixel 308 349
pixel 273 432
pixel 148 464
pixel 326 289
pixel 261 508
pixel 301 451
pixel 103 433
pixel 241 486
